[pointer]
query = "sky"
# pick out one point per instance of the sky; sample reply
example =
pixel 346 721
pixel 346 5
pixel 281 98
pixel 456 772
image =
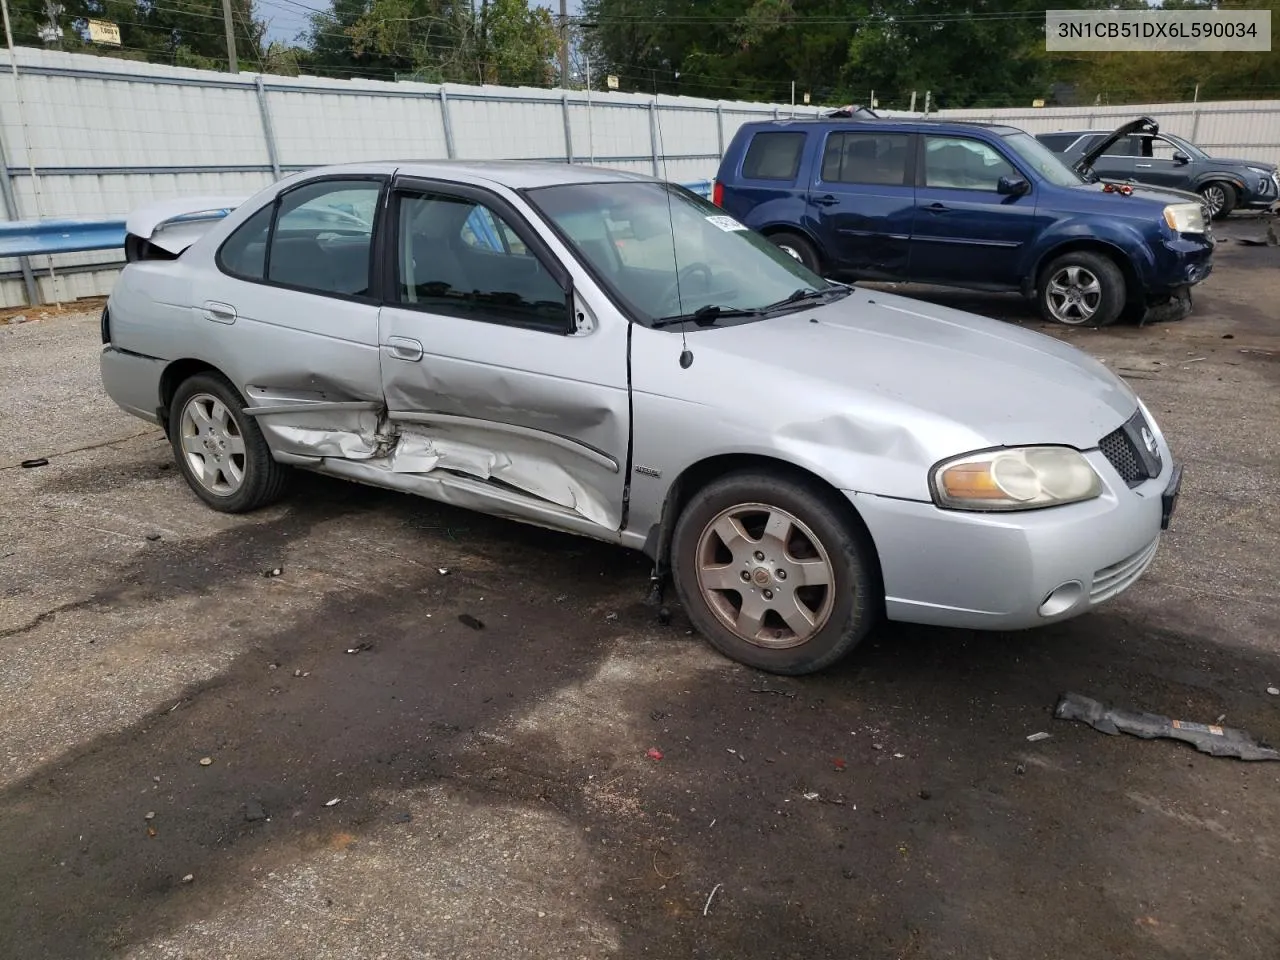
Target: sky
pixel 285 19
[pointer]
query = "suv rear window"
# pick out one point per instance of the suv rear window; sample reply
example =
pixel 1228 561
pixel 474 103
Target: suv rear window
pixel 773 156
pixel 871 158
pixel 1058 142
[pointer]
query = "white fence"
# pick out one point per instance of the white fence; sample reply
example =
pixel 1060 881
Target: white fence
pixel 84 136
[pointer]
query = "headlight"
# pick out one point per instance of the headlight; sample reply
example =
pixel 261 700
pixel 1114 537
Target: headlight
pixel 1184 217
pixel 1017 478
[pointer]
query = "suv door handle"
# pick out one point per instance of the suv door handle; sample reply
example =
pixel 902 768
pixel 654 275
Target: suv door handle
pixel 404 348
pixel 219 312
pixel 827 201
pixel 1142 164
pixel 936 207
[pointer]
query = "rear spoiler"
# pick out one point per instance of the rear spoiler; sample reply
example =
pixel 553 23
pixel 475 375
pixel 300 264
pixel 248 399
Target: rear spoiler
pixel 173 225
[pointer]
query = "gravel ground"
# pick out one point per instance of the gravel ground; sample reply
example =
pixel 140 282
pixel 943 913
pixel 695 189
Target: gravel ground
pixel 495 797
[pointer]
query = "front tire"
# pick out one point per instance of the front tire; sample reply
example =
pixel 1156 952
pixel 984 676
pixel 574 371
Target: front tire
pixel 221 451
pixel 773 572
pixel 1219 199
pixel 800 248
pixel 1082 289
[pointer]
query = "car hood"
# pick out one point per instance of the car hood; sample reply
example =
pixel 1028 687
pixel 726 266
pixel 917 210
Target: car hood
pixel 1161 195
pixel 1237 162
pixel 960 381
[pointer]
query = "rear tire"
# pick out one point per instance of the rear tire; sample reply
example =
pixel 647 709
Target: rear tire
pixel 1081 289
pixel 800 248
pixel 774 573
pixel 221 452
pixel 1219 199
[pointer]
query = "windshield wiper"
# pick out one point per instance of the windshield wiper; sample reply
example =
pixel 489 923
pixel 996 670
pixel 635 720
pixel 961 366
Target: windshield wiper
pixel 801 297
pixel 705 316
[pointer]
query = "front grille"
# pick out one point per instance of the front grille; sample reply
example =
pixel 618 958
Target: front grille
pixel 1120 451
pixel 1118 577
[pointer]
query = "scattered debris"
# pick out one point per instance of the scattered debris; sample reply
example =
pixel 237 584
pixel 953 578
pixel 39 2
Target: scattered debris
pixel 273 572
pixel 151 815
pixel 612 617
pixel 360 647
pixel 467 620
pixel 1211 739
pixel 334 802
pixel 811 796
pixel 661 875
pixel 653 753
pixel 736 754
pixel 877 746
pixel 1274 691
pixel 206 761
pixel 1037 737
pixel 664 616
pixel 35 462
pixel 710 897
pixel 562 598
pixel 443 571
pixel 899 756
pixel 1196 359
pixel 779 693
pixel 302 673
pixel 1020 769
pixel 151 832
pixel 18 318
pixel 658 714
pixel 254 811
pixel 403 817
pixel 925 795
pixel 838 763
pixel 188 878
pixel 1228 336
pixel 153 537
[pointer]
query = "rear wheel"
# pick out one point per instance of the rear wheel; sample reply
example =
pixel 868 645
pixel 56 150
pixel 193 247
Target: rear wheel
pixel 1219 199
pixel 773 573
pixel 800 248
pixel 221 451
pixel 1082 289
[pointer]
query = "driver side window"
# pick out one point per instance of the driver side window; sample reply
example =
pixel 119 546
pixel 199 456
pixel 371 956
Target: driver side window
pixel 460 258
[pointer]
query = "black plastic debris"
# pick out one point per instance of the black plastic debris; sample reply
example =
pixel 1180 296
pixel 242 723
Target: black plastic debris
pixel 467 620
pixel 1207 738
pixel 36 462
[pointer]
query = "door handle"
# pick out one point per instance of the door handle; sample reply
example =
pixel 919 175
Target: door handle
pixel 936 207
pixel 827 201
pixel 404 348
pixel 1142 164
pixel 219 312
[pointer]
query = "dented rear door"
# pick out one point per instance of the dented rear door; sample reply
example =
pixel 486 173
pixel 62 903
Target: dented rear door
pixel 487 380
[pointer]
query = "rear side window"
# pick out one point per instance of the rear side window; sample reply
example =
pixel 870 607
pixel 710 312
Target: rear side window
pixel 1058 142
pixel 773 156
pixel 874 158
pixel 244 253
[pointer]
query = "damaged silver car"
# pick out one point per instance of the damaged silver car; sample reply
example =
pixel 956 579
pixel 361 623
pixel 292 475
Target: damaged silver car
pixel 609 355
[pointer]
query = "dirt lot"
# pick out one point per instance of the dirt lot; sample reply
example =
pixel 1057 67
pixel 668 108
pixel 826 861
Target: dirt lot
pixel 496 800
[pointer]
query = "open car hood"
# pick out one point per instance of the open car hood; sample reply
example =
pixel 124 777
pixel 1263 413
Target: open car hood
pixel 1141 125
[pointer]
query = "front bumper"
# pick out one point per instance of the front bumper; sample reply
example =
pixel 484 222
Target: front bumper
pixel 1012 571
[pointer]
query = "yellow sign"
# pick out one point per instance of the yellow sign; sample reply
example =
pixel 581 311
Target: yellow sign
pixel 1037 102
pixel 611 82
pixel 100 31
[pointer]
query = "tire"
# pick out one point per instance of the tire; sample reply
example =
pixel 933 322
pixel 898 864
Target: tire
pixel 822 539
pixel 1081 289
pixel 800 248
pixel 1219 199
pixel 208 426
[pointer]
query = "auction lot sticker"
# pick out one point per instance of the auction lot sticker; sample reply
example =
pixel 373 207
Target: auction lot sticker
pixel 1158 30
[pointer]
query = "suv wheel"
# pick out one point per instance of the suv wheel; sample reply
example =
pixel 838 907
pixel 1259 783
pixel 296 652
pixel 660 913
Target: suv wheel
pixel 798 247
pixel 773 573
pixel 1219 199
pixel 1082 289
pixel 220 451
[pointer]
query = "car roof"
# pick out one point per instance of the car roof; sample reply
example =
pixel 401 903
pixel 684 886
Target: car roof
pixel 516 174
pixel 854 123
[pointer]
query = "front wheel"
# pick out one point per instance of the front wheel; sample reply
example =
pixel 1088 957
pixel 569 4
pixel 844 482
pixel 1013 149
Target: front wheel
pixel 774 573
pixel 1082 289
pixel 1219 199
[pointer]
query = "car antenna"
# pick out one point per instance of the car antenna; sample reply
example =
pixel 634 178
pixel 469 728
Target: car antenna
pixel 686 355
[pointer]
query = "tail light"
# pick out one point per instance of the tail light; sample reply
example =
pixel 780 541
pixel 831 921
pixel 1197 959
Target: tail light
pixel 717 193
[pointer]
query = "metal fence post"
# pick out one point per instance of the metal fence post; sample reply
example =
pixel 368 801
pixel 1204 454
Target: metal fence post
pixel 720 128
pixel 448 125
pixel 267 129
pixel 11 210
pixel 568 128
pixel 653 133
pixel 1195 125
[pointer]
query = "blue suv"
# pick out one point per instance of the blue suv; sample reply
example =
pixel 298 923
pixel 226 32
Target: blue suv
pixel 965 204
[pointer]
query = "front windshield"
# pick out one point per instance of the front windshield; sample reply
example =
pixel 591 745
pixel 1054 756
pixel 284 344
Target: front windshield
pixel 1043 160
pixel 666 252
pixel 1190 149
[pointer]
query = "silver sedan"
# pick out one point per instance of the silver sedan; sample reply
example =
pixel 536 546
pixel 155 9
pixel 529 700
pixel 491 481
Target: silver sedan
pixel 612 356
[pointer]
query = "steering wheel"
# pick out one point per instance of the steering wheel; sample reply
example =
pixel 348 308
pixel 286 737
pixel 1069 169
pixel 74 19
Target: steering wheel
pixel 683 279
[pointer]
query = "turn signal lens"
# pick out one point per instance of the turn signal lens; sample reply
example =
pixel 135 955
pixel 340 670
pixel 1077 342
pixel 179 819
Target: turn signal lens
pixel 1017 478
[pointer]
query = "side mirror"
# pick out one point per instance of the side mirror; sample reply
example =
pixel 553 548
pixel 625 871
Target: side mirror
pixel 1181 158
pixel 1012 186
